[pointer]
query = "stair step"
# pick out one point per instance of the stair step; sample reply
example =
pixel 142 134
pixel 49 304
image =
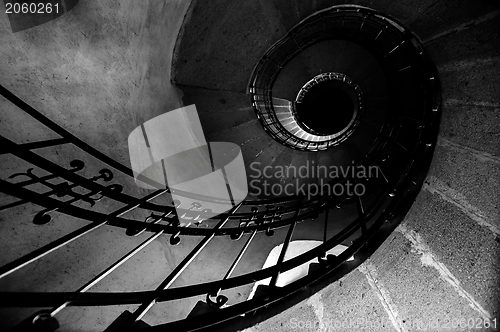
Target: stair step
pixel 291 79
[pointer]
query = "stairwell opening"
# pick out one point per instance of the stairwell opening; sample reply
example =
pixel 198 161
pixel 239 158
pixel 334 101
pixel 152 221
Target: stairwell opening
pixel 326 108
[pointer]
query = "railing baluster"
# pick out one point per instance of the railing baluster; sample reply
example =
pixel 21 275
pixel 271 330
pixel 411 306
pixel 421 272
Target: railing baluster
pixel 243 224
pixel 361 214
pixel 324 258
pixel 276 216
pixel 359 203
pixel 288 239
pixel 383 175
pixel 144 308
pixel 325 228
pixel 221 299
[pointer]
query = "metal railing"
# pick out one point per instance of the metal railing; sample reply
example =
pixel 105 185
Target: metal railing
pixel 394 47
pixel 402 161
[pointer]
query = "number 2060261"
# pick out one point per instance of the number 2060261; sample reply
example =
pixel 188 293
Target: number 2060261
pixel 31 8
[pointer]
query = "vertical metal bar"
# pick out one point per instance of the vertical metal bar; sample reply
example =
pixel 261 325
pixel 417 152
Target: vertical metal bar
pixel 359 204
pixel 393 140
pixel 385 178
pixel 361 214
pixel 325 228
pixel 240 255
pixel 288 239
pixel 143 309
pixel 362 24
pixel 237 260
pixel 381 30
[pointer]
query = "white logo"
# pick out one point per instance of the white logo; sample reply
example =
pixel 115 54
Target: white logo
pixel 171 150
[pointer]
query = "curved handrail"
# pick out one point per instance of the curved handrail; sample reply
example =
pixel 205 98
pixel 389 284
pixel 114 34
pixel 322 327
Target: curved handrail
pixel 399 191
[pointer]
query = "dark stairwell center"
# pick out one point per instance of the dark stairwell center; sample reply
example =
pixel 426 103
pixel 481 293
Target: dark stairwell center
pixel 326 109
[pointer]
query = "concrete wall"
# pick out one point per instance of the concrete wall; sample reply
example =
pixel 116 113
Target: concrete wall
pixel 103 65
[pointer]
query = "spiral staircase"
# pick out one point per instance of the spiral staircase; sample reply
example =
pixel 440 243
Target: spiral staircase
pixel 294 84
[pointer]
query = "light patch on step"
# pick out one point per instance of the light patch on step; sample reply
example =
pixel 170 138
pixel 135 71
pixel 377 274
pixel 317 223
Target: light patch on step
pixel 295 248
pixel 429 259
pixel 436 186
pixel 370 272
